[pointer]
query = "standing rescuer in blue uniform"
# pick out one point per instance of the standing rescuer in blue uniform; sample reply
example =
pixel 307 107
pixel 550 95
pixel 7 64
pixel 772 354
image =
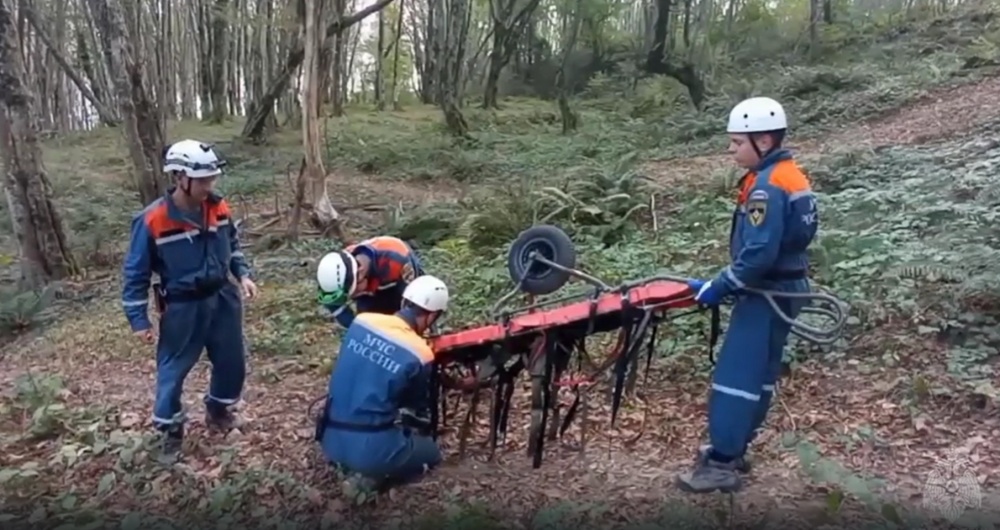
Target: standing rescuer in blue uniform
pixel 188 238
pixel 375 423
pixel 373 274
pixel 773 225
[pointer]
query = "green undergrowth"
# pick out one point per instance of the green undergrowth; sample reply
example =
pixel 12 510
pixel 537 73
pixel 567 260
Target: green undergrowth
pixel 861 72
pixel 913 231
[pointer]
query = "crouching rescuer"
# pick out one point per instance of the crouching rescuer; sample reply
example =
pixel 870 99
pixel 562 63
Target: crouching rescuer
pixel 376 422
pixel 188 238
pixel 373 274
pixel 774 222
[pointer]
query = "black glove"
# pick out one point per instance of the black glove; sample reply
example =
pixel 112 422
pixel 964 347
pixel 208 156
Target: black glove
pixel 411 419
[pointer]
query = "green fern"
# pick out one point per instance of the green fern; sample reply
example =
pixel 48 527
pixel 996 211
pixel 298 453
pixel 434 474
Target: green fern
pixel 21 310
pixel 931 273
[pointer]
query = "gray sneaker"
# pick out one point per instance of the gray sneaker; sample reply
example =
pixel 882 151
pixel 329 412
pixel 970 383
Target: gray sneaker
pixel 223 420
pixel 170 444
pixel 710 476
pixel 742 463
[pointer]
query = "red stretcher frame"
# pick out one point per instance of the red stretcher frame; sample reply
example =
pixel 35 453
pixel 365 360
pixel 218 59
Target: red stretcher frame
pixel 656 294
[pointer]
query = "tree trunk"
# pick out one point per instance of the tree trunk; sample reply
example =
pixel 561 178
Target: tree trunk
pixel 219 53
pixel 508 26
pixel 815 16
pixel 324 215
pixel 379 63
pixel 41 239
pixel 658 62
pixel 395 57
pixel 139 115
pixel 452 45
pixel 570 119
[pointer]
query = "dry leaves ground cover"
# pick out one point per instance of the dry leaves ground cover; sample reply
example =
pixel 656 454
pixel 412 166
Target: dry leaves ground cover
pixel 91 451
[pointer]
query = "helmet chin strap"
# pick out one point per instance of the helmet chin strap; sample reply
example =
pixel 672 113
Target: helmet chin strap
pixel 409 313
pixel 776 139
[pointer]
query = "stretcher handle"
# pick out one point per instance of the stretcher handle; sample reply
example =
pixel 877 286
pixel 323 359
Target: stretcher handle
pixel 823 304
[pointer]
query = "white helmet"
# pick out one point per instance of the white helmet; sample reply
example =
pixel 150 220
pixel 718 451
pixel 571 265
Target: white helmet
pixel 757 115
pixel 337 273
pixel 194 159
pixel 428 293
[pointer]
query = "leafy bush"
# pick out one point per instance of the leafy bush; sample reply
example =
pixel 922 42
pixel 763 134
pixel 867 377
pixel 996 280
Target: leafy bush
pixel 21 310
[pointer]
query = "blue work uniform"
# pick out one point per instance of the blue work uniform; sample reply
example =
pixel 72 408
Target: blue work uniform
pixel 393 265
pixel 773 225
pixel 193 253
pixel 383 366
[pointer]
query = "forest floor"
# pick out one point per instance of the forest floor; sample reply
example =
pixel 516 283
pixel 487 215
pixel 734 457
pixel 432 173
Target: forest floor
pixel 83 388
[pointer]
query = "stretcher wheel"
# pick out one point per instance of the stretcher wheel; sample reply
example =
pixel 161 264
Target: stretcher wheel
pixel 549 242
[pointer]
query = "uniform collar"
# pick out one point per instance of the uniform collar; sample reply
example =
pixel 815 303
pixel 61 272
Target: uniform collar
pixel 750 177
pixel 175 213
pixel 407 315
pixel 367 251
pixel 773 158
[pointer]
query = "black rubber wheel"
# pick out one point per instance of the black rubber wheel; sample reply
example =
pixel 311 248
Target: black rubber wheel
pixel 549 242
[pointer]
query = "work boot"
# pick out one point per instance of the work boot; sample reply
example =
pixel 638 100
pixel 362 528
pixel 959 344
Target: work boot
pixel 742 463
pixel 220 418
pixel 358 488
pixel 709 476
pixel 170 443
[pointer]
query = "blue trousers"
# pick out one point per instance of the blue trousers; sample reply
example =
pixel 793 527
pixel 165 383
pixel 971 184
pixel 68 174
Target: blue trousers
pixel 747 369
pixel 214 324
pixel 396 455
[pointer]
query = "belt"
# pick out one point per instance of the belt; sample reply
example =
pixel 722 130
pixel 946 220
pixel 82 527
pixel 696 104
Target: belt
pixel 191 295
pixel 779 276
pixel 188 296
pixel 360 427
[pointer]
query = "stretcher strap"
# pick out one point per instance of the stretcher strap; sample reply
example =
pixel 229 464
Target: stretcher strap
pixel 436 400
pixel 574 408
pixel 622 362
pixel 502 393
pixel 504 387
pixel 322 418
pixel 650 349
pixel 714 332
pixel 592 316
pixel 545 381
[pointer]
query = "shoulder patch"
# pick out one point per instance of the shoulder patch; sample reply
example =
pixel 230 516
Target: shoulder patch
pixel 757 207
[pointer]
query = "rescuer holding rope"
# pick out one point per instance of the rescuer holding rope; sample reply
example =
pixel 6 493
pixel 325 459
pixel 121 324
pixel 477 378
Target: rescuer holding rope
pixel 373 273
pixel 375 422
pixel 188 238
pixel 773 225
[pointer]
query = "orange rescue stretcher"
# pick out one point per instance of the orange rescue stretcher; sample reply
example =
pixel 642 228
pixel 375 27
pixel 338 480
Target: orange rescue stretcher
pixel 544 338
